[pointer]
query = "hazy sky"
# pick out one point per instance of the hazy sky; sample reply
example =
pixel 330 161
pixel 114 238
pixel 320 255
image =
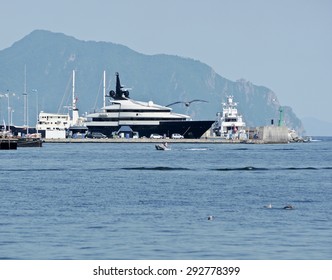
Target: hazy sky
pixel 285 45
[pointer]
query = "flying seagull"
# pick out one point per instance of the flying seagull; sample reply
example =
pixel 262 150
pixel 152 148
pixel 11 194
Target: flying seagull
pixel 187 104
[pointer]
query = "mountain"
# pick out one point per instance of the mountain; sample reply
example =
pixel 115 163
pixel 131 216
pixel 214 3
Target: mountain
pixel 49 59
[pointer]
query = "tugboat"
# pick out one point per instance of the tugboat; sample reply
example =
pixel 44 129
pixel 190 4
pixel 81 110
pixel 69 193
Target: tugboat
pixel 229 124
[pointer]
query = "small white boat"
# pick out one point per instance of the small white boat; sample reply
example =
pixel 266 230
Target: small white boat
pixel 162 147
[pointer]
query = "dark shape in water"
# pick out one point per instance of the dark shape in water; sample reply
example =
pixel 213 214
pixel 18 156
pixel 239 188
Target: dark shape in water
pixel 289 207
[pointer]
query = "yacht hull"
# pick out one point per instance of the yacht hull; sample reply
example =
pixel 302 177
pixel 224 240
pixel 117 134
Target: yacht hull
pixel 189 129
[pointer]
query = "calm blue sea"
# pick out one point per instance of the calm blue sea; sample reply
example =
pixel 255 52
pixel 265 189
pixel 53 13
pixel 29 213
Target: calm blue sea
pixel 130 201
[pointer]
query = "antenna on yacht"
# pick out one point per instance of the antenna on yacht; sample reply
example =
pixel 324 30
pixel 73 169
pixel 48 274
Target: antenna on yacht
pixel 118 85
pixel 104 90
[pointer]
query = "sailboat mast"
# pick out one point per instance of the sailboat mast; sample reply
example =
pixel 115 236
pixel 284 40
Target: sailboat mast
pixel 25 97
pixel 104 90
pixel 73 92
pixel 75 116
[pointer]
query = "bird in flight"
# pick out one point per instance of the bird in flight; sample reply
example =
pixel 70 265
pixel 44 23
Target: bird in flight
pixel 186 103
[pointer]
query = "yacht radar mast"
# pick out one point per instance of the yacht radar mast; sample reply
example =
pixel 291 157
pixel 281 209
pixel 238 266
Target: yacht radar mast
pixel 119 93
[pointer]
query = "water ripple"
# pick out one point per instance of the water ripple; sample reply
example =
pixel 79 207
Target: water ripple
pixel 252 168
pixel 160 168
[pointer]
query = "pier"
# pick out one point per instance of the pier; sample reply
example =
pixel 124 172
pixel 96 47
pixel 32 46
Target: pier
pixel 258 135
pixel 148 140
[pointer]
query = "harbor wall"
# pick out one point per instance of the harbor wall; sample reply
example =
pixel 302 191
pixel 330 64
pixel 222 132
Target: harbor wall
pixel 257 135
pixel 273 134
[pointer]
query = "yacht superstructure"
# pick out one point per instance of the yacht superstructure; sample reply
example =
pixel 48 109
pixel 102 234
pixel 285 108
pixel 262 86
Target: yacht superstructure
pixel 229 124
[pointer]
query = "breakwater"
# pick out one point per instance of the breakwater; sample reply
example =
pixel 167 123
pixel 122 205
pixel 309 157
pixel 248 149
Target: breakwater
pixel 258 135
pixel 148 140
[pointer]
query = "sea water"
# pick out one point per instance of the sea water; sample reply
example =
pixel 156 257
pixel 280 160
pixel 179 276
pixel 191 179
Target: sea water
pixel 130 201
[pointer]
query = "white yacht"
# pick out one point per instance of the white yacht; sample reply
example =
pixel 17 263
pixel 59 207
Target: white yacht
pixel 229 124
pixel 55 125
pixel 145 118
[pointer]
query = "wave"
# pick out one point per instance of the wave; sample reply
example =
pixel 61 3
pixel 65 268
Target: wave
pixel 32 169
pixel 306 168
pixel 300 168
pixel 160 168
pixel 252 168
pixel 96 227
pixel 284 149
pixel 304 201
pixel 247 168
pixel 197 149
pixel 167 168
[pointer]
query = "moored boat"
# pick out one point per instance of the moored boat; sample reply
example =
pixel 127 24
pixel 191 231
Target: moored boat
pixel 7 141
pixel 29 142
pixel 145 118
pixel 58 126
pixel 229 124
